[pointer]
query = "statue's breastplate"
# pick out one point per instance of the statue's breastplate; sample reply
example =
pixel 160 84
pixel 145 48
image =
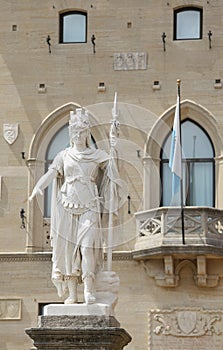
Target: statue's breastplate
pixel 79 191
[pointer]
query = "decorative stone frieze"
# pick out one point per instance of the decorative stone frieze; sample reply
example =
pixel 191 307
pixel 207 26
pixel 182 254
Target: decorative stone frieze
pixel 24 257
pixel 185 328
pixel 130 60
pixel 46 256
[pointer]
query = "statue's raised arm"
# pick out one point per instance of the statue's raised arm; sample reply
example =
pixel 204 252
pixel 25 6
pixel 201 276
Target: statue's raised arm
pixel 43 182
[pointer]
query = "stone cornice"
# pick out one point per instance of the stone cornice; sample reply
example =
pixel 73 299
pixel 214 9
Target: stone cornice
pixel 121 256
pixel 46 256
pixel 179 251
pixel 20 257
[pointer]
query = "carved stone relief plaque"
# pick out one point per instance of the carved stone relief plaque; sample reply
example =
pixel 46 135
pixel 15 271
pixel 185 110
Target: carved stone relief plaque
pixel 186 329
pixel 10 132
pixel 10 309
pixel 130 60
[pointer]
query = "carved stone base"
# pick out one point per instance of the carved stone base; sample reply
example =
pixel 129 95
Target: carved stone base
pixel 78 332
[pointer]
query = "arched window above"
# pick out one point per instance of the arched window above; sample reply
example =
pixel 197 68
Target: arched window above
pixel 73 27
pixel 59 142
pixel 188 23
pixel 198 167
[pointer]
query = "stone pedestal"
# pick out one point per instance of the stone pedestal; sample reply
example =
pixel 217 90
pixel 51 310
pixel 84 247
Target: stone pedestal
pixel 78 327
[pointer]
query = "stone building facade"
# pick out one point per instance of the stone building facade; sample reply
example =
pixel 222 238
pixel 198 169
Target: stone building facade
pixel 170 293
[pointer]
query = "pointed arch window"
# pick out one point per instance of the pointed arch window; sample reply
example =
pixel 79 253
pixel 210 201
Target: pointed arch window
pixel 197 164
pixel 59 142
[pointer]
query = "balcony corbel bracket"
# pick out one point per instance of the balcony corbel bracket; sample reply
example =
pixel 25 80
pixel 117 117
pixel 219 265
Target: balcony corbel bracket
pixel 203 279
pixel 169 275
pixel 167 278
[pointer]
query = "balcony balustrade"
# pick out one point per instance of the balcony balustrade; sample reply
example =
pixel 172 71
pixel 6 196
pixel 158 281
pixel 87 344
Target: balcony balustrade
pixel 159 236
pixel 162 227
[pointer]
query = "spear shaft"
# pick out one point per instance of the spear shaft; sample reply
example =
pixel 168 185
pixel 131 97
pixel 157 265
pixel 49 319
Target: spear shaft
pixel 113 136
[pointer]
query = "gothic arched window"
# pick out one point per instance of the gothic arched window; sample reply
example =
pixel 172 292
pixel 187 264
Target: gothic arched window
pixel 198 167
pixel 59 142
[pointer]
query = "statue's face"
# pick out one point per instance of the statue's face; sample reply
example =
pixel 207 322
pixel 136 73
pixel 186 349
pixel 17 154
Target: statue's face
pixel 79 137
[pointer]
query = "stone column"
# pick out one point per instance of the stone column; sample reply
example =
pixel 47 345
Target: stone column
pixel 34 236
pixel 78 326
pixel 219 182
pixel 151 190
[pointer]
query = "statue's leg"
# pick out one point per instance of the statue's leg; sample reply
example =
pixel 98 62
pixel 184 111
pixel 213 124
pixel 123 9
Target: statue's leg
pixel 72 289
pixel 88 290
pixel 88 262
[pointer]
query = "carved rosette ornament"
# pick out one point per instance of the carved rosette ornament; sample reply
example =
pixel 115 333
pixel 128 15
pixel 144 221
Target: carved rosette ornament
pixel 10 132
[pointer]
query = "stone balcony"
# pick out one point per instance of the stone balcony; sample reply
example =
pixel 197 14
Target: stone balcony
pixel 159 233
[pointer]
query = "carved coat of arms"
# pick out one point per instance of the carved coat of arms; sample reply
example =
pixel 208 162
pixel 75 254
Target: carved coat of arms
pixel 10 132
pixel 187 321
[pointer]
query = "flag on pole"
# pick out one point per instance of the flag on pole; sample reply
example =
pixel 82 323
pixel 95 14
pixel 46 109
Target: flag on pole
pixel 175 161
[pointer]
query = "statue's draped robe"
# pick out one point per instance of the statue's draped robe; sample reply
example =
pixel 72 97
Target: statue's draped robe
pixel 75 210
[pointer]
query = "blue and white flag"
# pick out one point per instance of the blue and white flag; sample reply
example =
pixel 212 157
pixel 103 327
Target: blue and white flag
pixel 175 161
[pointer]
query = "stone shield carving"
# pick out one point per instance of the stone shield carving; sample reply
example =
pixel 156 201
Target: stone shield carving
pixel 10 132
pixel 187 321
pixel 10 309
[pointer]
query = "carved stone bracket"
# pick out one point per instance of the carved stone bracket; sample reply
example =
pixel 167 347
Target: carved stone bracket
pixel 169 274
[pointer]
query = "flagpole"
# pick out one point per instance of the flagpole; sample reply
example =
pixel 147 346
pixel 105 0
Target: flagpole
pixel 181 179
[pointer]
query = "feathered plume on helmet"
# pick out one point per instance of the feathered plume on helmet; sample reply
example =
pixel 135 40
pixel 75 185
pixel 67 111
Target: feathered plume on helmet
pixel 79 120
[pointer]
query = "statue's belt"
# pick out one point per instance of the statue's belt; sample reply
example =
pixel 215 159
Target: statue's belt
pixel 81 178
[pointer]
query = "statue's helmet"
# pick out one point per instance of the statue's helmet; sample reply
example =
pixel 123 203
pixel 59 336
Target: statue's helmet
pixel 79 121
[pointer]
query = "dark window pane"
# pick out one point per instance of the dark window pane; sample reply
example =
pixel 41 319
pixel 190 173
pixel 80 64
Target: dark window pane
pixel 201 184
pixel 195 142
pixel 73 27
pixel 198 168
pixel 188 24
